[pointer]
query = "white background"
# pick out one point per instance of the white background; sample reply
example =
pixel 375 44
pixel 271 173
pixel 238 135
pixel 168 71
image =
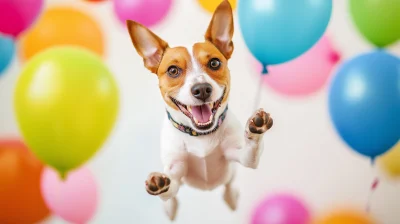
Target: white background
pixel 303 154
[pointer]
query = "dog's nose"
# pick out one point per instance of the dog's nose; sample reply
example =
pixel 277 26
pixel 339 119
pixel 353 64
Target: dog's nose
pixel 202 91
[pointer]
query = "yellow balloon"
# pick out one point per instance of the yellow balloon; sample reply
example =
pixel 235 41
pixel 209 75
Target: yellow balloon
pixel 346 217
pixel 390 162
pixel 211 5
pixel 66 103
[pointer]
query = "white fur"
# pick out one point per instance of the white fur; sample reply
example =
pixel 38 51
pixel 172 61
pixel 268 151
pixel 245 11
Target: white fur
pixel 205 162
pixel 196 75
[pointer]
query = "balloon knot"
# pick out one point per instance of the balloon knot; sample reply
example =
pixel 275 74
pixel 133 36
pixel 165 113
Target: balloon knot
pixel 265 70
pixel 63 175
pixel 334 57
pixel 372 161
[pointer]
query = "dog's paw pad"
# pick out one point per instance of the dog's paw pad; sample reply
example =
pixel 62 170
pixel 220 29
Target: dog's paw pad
pixel 260 122
pixel 157 183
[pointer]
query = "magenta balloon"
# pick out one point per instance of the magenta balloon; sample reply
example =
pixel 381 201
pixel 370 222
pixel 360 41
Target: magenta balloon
pixel 281 209
pixel 18 15
pixel 146 12
pixel 305 74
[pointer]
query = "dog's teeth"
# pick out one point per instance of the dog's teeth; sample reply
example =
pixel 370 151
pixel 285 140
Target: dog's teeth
pixel 189 108
pixel 211 117
pixel 195 120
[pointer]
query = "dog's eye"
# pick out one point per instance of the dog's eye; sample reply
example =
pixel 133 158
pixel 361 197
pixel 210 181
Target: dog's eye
pixel 174 71
pixel 214 64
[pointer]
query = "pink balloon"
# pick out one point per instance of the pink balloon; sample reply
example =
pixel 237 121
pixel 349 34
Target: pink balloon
pixel 281 209
pixel 17 15
pixel 146 12
pixel 305 74
pixel 74 199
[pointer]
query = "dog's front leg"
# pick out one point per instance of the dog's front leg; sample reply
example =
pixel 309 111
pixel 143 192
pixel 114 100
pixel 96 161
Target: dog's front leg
pixel 249 154
pixel 166 185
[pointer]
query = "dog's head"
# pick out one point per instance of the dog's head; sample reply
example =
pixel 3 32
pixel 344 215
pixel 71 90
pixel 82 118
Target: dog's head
pixel 194 81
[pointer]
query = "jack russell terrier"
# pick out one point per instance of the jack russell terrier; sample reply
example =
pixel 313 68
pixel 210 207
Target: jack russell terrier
pixel 200 139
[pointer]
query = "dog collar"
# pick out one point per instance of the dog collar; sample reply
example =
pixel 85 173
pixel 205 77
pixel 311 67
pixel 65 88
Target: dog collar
pixel 190 131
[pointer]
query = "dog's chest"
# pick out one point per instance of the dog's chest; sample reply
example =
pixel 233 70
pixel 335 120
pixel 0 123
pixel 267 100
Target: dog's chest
pixel 207 166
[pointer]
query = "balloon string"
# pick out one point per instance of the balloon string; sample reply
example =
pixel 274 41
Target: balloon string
pixel 373 188
pixel 258 92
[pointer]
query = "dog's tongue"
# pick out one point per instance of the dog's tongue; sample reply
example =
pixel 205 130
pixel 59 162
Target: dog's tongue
pixel 202 113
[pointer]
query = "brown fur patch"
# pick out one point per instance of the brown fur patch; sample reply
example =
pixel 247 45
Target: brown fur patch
pixel 204 52
pixel 178 56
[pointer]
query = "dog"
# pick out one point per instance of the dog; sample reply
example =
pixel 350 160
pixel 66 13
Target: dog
pixel 201 140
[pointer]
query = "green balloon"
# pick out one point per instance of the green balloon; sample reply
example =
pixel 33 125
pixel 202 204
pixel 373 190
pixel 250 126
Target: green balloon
pixel 66 102
pixel 377 20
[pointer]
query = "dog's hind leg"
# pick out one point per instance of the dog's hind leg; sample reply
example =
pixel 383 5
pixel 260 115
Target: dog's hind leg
pixel 171 207
pixel 231 194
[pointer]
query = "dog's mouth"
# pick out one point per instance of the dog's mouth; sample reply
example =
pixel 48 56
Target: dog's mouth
pixel 202 116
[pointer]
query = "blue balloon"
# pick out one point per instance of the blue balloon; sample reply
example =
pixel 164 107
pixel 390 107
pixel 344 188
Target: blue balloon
pixel 276 31
pixel 364 102
pixel 7 49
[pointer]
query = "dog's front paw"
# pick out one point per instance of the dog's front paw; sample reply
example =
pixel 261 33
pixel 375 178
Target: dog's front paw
pixel 260 122
pixel 157 183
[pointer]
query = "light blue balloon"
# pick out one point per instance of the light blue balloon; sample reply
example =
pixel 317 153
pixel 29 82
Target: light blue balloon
pixel 276 31
pixel 364 102
pixel 7 49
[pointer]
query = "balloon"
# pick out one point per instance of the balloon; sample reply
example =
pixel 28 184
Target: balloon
pixel 390 162
pixel 21 200
pixel 7 48
pixel 78 29
pixel 305 74
pixel 378 21
pixel 66 103
pixel 17 16
pixel 146 12
pixel 277 31
pixel 346 217
pixel 73 199
pixel 211 5
pixel 364 102
pixel 282 209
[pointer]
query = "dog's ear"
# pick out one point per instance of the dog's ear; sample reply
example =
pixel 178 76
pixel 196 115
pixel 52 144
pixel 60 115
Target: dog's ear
pixel 149 46
pixel 220 30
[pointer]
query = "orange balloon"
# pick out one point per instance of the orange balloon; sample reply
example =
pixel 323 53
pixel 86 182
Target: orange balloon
pixel 20 196
pixel 62 26
pixel 346 217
